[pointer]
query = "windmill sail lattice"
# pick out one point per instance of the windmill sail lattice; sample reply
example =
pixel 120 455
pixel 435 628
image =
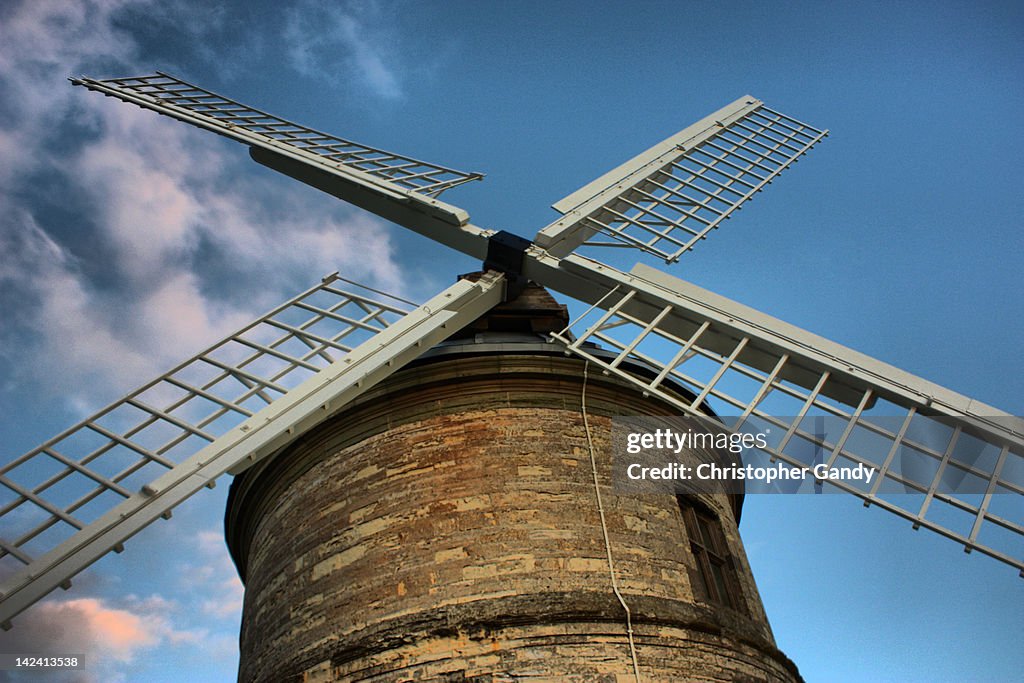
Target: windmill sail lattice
pixel 403 176
pixel 667 199
pixel 964 460
pixel 84 492
pixel 396 187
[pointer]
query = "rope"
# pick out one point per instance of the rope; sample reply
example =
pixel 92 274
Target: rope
pixel 604 528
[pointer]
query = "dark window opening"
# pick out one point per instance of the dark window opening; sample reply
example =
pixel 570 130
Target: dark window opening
pixel 715 579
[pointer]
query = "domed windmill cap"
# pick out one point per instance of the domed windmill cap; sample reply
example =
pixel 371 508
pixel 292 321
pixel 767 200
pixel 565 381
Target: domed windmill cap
pixel 534 310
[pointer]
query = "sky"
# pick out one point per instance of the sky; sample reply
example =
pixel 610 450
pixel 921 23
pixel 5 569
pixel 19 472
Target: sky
pixel 129 241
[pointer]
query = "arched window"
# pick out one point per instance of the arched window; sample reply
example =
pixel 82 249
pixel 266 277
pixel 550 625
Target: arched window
pixel 715 578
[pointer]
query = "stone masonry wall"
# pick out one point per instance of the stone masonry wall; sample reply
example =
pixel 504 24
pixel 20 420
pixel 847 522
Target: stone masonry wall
pixel 445 528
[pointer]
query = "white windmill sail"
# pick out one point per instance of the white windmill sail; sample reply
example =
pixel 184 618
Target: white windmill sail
pixel 394 186
pixel 964 459
pixel 668 198
pixel 86 491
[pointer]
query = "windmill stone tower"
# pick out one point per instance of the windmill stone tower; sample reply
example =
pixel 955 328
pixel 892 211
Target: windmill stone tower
pixel 422 491
pixel 445 526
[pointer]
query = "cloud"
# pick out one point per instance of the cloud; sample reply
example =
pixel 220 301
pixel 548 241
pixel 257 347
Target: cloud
pixel 42 43
pixel 333 43
pixel 218 582
pixel 110 637
pixel 59 308
pixel 118 633
pixel 152 240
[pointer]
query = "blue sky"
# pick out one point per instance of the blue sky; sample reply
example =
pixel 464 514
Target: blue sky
pixel 127 241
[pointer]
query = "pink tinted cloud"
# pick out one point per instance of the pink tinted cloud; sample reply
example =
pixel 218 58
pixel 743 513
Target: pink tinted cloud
pixel 119 632
pixel 111 638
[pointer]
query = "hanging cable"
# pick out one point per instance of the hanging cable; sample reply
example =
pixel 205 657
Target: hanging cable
pixel 604 527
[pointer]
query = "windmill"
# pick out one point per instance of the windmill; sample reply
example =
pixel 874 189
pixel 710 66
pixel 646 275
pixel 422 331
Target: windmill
pixel 86 491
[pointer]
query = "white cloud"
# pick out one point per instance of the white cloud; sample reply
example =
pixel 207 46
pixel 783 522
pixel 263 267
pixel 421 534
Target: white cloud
pixel 333 43
pixel 74 341
pixel 215 577
pixel 136 175
pixel 158 198
pixel 43 42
